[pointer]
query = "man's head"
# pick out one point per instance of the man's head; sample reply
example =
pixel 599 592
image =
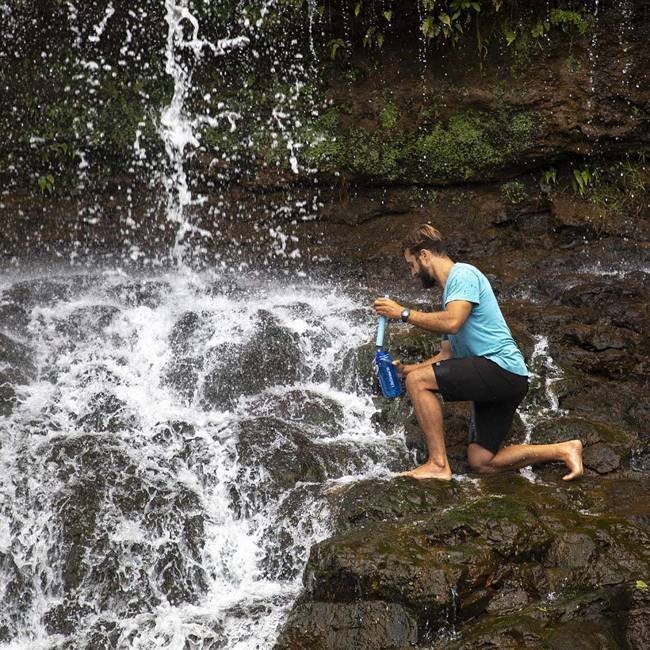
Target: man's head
pixel 421 248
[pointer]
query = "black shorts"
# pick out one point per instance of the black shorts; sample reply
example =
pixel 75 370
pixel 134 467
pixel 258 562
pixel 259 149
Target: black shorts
pixel 494 392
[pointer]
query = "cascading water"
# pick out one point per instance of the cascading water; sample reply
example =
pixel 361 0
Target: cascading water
pixel 542 403
pixel 167 450
pixel 177 128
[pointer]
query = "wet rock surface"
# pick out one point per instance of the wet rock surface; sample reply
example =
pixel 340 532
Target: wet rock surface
pixel 270 357
pixel 501 562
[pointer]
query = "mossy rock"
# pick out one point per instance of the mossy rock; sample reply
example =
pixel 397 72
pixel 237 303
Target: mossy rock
pixel 468 145
pixel 458 551
pixel 606 446
pixel 362 625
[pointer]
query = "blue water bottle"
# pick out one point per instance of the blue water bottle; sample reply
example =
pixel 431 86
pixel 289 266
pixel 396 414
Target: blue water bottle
pixel 383 365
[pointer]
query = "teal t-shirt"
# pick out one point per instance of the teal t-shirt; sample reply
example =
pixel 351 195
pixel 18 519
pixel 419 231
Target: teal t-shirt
pixel 485 332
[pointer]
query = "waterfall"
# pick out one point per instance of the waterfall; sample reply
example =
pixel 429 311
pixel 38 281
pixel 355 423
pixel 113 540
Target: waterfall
pixel 542 403
pixel 177 128
pixel 168 454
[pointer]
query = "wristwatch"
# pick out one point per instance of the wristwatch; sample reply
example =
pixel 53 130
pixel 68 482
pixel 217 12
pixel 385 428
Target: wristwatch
pixel 405 315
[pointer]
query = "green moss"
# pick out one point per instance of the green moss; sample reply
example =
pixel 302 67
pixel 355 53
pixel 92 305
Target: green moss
pixel 389 116
pixel 458 149
pixel 468 144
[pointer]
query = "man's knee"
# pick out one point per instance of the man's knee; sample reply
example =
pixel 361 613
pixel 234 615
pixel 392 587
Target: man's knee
pixel 480 459
pixel 421 379
pixel 412 382
pixel 479 465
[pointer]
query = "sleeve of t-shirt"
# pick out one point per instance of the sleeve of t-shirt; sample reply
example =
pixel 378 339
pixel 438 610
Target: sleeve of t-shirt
pixel 463 285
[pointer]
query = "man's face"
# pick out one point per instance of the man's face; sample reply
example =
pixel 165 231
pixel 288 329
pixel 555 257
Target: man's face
pixel 418 270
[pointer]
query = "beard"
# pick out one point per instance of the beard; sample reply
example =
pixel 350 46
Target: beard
pixel 428 280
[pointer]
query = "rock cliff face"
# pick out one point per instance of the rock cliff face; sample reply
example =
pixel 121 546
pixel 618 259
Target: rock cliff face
pixel 528 111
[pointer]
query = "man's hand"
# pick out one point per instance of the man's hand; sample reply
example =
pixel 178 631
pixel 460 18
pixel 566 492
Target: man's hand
pixel 404 369
pixel 389 308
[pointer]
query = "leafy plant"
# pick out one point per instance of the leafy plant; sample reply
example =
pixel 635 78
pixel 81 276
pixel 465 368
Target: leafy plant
pixel 514 191
pixel 373 37
pixel 46 183
pixel 569 20
pixel 549 177
pixel 582 178
pixel 334 45
pixel 509 33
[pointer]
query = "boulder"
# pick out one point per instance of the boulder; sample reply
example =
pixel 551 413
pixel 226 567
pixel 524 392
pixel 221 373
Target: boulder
pixel 85 323
pixel 270 357
pixel 484 560
pixel 274 456
pixel 373 625
pixel 38 292
pixel 128 571
pixel 16 355
pixel 322 416
pixel 147 293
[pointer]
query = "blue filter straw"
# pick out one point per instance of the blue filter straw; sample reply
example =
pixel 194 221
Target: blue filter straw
pixel 383 365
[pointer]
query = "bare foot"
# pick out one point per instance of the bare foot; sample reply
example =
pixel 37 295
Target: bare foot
pixel 573 459
pixel 428 470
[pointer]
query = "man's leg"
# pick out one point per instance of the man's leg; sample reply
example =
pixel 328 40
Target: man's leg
pixel 428 411
pixel 518 456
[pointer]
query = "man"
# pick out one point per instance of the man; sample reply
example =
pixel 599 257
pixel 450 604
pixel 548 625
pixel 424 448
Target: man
pixel 479 362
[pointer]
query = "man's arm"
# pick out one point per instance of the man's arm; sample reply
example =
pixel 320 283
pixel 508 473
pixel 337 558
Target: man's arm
pixel 448 321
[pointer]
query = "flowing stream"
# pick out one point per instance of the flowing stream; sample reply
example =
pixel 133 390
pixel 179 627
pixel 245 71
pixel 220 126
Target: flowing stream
pixel 168 454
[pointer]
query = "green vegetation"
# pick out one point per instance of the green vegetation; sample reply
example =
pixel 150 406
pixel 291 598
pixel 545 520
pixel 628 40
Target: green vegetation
pixel 46 183
pixel 462 147
pixel 451 22
pixel 581 180
pixel 620 189
pixel 571 21
pixel 514 191
pixel 549 177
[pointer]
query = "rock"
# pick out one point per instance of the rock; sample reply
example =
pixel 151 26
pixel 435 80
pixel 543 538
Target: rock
pixel 355 371
pixel 602 349
pixel 147 293
pixel 16 598
pixel 126 569
pixel 320 415
pixel 189 331
pixel 270 357
pixel 363 626
pixel 182 375
pixel 86 322
pixel 601 458
pixel 17 356
pixel 487 558
pixel 181 581
pixel 369 501
pixel 13 318
pixel 106 413
pixel 280 456
pixel 570 212
pixel 633 616
pixel 41 292
pixel 607 447
pixel 9 380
